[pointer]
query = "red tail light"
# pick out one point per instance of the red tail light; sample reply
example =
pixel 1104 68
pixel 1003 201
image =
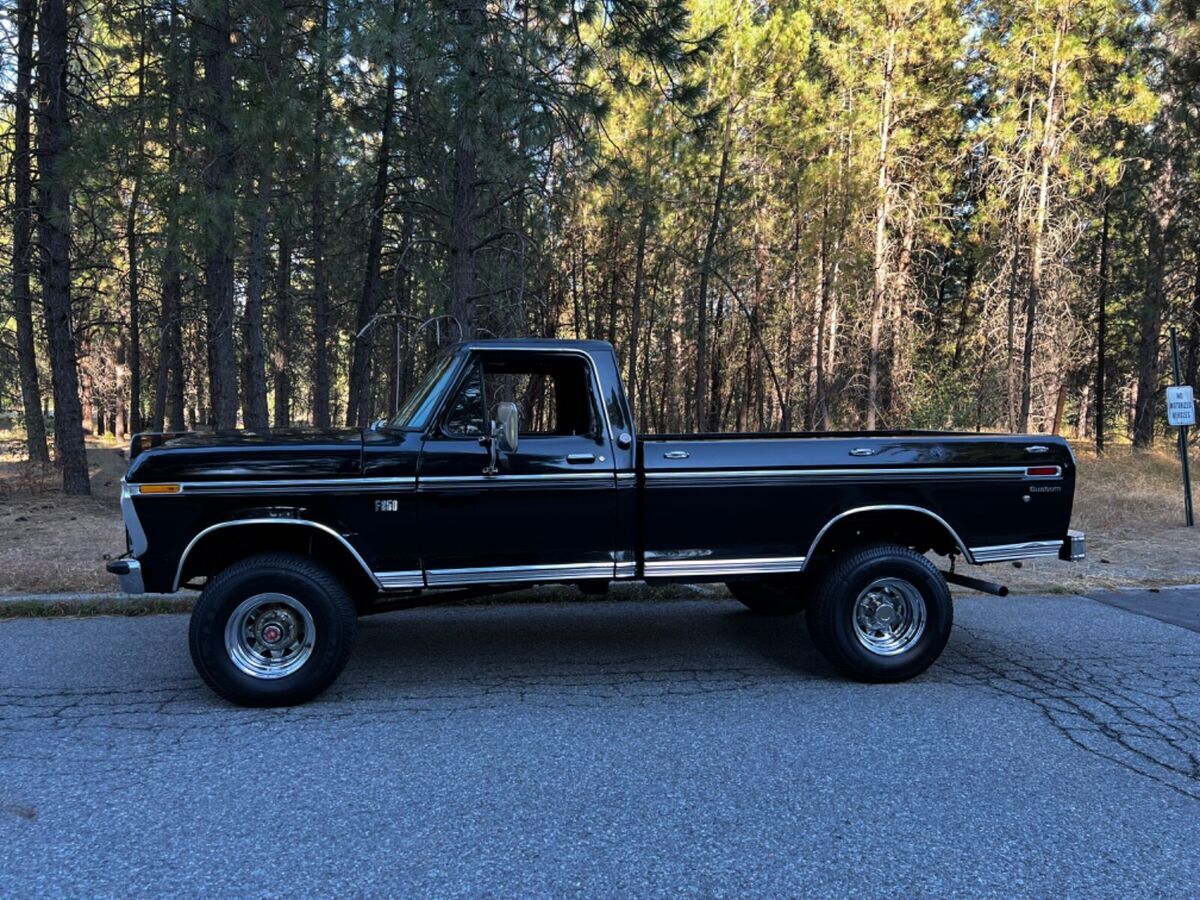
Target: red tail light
pixel 1043 472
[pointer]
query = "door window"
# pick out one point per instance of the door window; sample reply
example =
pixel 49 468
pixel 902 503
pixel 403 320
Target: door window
pixel 552 392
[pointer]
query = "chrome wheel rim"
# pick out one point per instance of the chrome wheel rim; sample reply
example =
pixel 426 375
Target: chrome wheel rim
pixel 270 636
pixel 889 616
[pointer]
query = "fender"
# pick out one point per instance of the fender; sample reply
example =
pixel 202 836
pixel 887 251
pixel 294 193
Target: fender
pixel 966 552
pixel 272 520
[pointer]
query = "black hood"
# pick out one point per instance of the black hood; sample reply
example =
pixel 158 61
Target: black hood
pixel 247 455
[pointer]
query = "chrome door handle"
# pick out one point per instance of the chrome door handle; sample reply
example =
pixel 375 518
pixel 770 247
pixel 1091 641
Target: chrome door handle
pixel 676 454
pixel 863 451
pixel 579 459
pixel 1037 448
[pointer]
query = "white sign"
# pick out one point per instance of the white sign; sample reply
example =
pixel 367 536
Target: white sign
pixel 1181 408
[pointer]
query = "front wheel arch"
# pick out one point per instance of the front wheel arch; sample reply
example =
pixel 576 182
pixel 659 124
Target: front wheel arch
pixel 221 545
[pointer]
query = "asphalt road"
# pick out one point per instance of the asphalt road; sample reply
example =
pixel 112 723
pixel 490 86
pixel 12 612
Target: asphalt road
pixel 610 749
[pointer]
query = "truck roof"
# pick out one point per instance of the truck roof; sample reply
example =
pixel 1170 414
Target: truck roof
pixel 533 344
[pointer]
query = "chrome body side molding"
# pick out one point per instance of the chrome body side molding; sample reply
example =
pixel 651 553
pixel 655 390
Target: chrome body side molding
pixel 504 574
pixel 911 473
pixel 304 523
pixel 1024 550
pixel 626 570
pixel 283 486
pixel 567 480
pixel 674 568
pixel 394 581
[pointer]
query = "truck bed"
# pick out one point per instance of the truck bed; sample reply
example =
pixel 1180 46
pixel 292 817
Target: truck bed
pixel 771 496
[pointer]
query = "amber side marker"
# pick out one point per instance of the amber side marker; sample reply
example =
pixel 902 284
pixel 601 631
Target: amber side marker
pixel 160 489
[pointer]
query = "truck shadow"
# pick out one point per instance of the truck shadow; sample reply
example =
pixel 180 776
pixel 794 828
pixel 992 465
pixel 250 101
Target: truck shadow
pixel 566 639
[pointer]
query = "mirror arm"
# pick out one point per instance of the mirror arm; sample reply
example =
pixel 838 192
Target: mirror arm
pixel 493 451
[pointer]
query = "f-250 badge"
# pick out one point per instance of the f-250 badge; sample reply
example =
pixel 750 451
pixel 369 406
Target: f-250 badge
pixel 387 505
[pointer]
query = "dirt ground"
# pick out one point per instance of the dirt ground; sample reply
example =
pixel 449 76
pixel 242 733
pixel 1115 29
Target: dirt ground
pixel 50 542
pixel 1130 505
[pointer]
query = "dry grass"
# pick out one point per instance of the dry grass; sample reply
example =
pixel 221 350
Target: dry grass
pixel 1130 504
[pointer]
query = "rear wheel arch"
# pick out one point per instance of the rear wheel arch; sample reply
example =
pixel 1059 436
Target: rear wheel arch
pixel 221 545
pixel 909 526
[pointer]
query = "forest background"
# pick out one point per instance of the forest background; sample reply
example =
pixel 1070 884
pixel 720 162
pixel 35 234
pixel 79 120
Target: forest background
pixel 971 214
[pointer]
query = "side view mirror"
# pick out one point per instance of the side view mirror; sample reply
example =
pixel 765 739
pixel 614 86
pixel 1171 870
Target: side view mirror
pixel 503 436
pixel 378 423
pixel 507 425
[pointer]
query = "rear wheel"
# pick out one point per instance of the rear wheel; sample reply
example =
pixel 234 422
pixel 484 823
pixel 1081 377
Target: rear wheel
pixel 272 630
pixel 770 599
pixel 882 613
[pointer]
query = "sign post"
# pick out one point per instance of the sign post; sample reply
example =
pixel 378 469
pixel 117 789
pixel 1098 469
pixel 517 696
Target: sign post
pixel 1181 411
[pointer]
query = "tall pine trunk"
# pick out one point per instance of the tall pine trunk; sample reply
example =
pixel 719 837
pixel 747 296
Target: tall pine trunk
pixel 710 243
pixel 1102 328
pixel 320 400
pixel 1038 226
pixel 879 272
pixel 134 356
pixel 54 233
pixel 357 410
pixel 282 320
pixel 22 229
pixel 169 379
pixel 1154 301
pixel 254 386
pixel 254 381
pixel 465 201
pixel 639 286
pixel 1192 360
pixel 215 27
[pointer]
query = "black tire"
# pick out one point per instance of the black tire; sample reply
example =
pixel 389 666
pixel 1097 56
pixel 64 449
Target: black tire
pixel 831 617
pixel 312 588
pixel 769 599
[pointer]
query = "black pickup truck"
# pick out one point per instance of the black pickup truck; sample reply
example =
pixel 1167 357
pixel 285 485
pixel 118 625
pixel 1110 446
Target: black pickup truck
pixel 517 463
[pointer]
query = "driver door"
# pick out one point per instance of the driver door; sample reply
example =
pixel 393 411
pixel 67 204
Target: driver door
pixel 549 512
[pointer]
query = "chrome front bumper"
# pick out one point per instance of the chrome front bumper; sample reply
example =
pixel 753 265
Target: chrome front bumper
pixel 129 573
pixel 1074 548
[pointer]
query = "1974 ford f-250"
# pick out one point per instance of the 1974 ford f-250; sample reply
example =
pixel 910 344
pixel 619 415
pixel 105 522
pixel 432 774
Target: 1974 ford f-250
pixel 516 463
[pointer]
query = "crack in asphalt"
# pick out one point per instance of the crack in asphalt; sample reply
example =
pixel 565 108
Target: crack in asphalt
pixel 1125 709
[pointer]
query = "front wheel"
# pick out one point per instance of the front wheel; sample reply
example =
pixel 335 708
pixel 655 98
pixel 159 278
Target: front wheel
pixel 272 630
pixel 882 613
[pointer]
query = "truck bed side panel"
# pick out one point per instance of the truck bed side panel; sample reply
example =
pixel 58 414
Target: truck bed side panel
pixel 768 498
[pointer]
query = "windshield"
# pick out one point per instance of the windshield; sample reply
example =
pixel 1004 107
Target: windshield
pixel 417 409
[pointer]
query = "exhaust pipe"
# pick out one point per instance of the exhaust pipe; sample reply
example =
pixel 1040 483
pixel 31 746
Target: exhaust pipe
pixel 988 587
